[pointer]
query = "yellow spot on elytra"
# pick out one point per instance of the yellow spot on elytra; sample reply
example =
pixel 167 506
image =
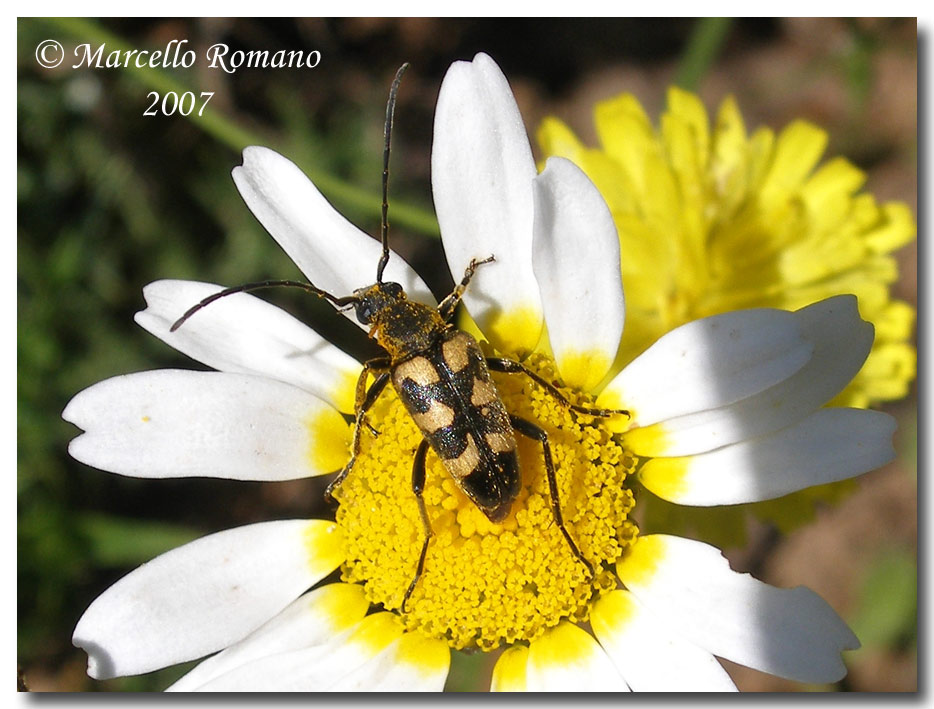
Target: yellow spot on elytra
pixel 418 369
pixel 329 437
pixel 455 354
pixel 146 419
pixel 487 584
pixel 583 370
pixel 466 462
pixel 666 477
pixel 482 393
pixel 499 443
pixel 639 564
pixel 437 417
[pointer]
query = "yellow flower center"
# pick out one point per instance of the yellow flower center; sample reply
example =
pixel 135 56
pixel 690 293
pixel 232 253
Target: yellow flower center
pixel 485 584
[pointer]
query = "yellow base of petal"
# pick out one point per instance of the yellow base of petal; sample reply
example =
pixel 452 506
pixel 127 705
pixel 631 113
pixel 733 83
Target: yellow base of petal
pixel 329 440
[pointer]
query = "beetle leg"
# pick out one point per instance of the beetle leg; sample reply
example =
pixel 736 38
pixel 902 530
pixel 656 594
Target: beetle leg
pixel 418 487
pixel 530 430
pixel 363 399
pixel 508 366
pixel 380 365
pixel 450 302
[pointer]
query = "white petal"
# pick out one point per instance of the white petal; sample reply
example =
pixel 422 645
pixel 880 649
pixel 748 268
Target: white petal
pixel 175 423
pixel 317 668
pixel 841 343
pixel 247 335
pixel 689 586
pixel 576 261
pixel 648 655
pixel 305 670
pixel 568 659
pixel 334 254
pixel 829 445
pixel 204 596
pixel 481 178
pixel 417 664
pixel 317 618
pixel 375 656
pixel 710 362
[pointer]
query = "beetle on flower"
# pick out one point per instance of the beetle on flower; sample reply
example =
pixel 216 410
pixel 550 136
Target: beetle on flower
pixel 723 410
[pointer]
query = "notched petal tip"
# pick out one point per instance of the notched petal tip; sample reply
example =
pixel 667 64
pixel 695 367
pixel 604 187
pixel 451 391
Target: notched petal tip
pixel 76 411
pixel 481 62
pixel 253 158
pixel 842 306
pixel 76 445
pixel 254 153
pixel 100 663
pixel 69 413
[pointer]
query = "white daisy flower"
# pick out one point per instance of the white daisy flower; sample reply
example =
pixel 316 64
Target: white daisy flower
pixel 723 410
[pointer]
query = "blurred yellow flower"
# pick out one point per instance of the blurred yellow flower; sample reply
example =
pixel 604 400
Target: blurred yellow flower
pixel 711 219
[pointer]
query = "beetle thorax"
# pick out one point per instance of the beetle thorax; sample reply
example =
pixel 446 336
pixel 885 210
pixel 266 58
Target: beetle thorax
pixel 401 327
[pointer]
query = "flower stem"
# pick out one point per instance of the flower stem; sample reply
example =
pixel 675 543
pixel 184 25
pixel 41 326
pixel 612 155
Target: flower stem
pixel 702 49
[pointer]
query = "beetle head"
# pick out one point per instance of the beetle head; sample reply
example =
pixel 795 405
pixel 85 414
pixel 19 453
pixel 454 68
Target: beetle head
pixel 373 300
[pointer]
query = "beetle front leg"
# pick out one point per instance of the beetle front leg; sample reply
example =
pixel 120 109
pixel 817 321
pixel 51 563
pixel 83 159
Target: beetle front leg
pixel 450 302
pixel 509 366
pixel 363 399
pixel 362 394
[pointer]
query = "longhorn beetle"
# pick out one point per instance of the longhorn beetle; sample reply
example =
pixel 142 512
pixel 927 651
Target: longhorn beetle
pixel 442 377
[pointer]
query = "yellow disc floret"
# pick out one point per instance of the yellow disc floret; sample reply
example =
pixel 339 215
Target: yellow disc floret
pixel 485 584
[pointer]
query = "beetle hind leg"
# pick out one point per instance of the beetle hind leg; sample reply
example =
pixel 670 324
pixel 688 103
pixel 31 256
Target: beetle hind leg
pixel 508 366
pixel 418 487
pixel 530 430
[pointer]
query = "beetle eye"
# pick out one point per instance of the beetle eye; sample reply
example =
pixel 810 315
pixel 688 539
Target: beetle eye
pixel 392 289
pixel 364 313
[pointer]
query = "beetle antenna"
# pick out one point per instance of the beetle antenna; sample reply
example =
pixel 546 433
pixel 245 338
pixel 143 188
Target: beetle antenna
pixel 387 139
pixel 246 287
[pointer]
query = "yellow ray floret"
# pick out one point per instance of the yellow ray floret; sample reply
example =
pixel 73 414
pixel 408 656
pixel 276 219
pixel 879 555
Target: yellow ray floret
pixel 712 219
